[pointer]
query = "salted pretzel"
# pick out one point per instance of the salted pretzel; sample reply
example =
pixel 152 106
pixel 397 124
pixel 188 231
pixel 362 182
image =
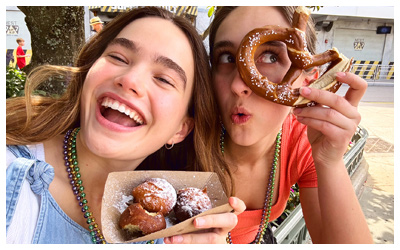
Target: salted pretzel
pixel 295 40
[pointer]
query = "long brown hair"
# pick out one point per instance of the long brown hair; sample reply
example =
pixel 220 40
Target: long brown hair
pixel 33 119
pixel 220 15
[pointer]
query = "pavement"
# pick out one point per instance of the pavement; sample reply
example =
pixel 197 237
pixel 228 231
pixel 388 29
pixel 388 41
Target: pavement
pixel 377 189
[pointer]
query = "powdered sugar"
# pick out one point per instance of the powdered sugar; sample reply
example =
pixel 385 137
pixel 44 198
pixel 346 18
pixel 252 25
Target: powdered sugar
pixel 193 201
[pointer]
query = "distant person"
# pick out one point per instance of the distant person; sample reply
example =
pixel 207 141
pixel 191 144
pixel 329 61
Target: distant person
pixel 96 24
pixel 21 62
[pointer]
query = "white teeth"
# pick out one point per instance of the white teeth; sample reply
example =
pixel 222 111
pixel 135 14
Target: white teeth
pixel 121 108
pixel 114 104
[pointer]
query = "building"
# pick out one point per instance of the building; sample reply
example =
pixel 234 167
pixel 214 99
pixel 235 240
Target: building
pixel 365 33
pixel 16 27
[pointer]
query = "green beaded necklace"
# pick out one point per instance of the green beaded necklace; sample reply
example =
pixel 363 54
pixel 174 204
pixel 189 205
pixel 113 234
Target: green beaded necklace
pixel 71 162
pixel 269 193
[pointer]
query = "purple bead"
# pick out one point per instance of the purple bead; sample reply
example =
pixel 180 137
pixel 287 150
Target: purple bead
pixel 81 204
pixel 72 182
pixel 76 192
pixel 70 176
pixel 83 210
pixel 78 198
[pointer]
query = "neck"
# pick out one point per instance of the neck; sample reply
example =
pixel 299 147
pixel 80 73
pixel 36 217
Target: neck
pixel 251 156
pixel 95 169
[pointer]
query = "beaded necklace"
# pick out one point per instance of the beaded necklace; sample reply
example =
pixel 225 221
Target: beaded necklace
pixel 269 192
pixel 71 162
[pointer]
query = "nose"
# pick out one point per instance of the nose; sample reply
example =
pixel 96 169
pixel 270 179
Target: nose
pixel 132 81
pixel 239 87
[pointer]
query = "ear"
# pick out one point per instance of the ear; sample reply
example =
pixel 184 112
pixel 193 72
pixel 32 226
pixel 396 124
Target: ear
pixel 311 76
pixel 186 127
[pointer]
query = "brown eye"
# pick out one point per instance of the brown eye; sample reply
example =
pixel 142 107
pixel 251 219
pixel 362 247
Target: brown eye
pixel 267 58
pixel 226 58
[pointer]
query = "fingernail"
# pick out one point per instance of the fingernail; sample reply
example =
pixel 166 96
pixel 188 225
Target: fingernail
pixel 341 74
pixel 297 111
pixel 305 91
pixel 233 201
pixel 199 222
pixel 177 239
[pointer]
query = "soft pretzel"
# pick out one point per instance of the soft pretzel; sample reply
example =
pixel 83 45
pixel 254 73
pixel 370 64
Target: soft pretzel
pixel 295 40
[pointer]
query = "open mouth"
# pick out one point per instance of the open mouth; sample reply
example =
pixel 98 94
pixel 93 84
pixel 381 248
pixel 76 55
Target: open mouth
pixel 119 113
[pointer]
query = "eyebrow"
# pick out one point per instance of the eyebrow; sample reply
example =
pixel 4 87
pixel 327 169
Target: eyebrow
pixel 167 62
pixel 223 44
pixel 275 43
pixel 126 43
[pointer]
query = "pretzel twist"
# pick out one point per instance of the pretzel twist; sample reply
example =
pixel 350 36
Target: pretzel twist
pixel 301 58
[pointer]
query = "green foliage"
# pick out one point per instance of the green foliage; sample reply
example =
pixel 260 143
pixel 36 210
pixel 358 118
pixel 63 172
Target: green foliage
pixel 15 82
pixel 211 10
pixel 292 203
pixel 15 85
pixel 315 7
pixel 294 198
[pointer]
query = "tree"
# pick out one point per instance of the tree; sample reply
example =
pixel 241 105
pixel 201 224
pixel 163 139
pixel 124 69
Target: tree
pixel 57 33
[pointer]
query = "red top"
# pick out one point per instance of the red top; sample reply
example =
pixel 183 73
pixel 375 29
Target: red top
pixel 297 165
pixel 20 60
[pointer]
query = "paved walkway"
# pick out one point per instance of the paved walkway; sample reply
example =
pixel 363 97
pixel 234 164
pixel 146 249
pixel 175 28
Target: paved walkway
pixel 377 199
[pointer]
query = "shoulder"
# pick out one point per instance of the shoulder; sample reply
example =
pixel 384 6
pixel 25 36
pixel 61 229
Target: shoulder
pixel 20 222
pixel 35 151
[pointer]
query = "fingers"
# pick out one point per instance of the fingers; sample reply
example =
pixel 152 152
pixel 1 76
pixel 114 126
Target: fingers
pixel 215 226
pixel 332 124
pixel 197 238
pixel 357 89
pixel 329 99
pixel 237 204
pixel 225 221
pixel 322 115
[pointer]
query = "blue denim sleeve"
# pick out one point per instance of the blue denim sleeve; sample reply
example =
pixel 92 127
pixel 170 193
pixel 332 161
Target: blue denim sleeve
pixel 15 174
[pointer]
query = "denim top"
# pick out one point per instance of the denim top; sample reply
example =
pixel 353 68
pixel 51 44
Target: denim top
pixel 52 224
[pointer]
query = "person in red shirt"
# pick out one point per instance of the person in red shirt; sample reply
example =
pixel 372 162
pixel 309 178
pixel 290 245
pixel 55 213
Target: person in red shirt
pixel 21 62
pixel 269 147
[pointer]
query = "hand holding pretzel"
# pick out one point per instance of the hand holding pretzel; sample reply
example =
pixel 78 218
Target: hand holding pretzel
pixel 295 40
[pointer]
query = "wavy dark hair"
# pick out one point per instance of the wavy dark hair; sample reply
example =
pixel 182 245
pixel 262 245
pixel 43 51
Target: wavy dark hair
pixel 33 119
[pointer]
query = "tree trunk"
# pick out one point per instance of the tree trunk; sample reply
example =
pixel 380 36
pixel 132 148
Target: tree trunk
pixel 57 33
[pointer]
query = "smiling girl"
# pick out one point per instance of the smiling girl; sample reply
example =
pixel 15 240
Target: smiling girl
pixel 131 92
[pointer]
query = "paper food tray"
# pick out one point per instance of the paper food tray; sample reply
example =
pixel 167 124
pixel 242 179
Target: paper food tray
pixel 118 191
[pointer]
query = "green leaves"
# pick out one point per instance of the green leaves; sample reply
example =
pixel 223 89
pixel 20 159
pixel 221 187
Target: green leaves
pixel 211 10
pixel 15 82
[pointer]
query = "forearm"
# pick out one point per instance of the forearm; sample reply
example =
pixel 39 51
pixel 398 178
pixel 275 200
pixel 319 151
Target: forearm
pixel 342 219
